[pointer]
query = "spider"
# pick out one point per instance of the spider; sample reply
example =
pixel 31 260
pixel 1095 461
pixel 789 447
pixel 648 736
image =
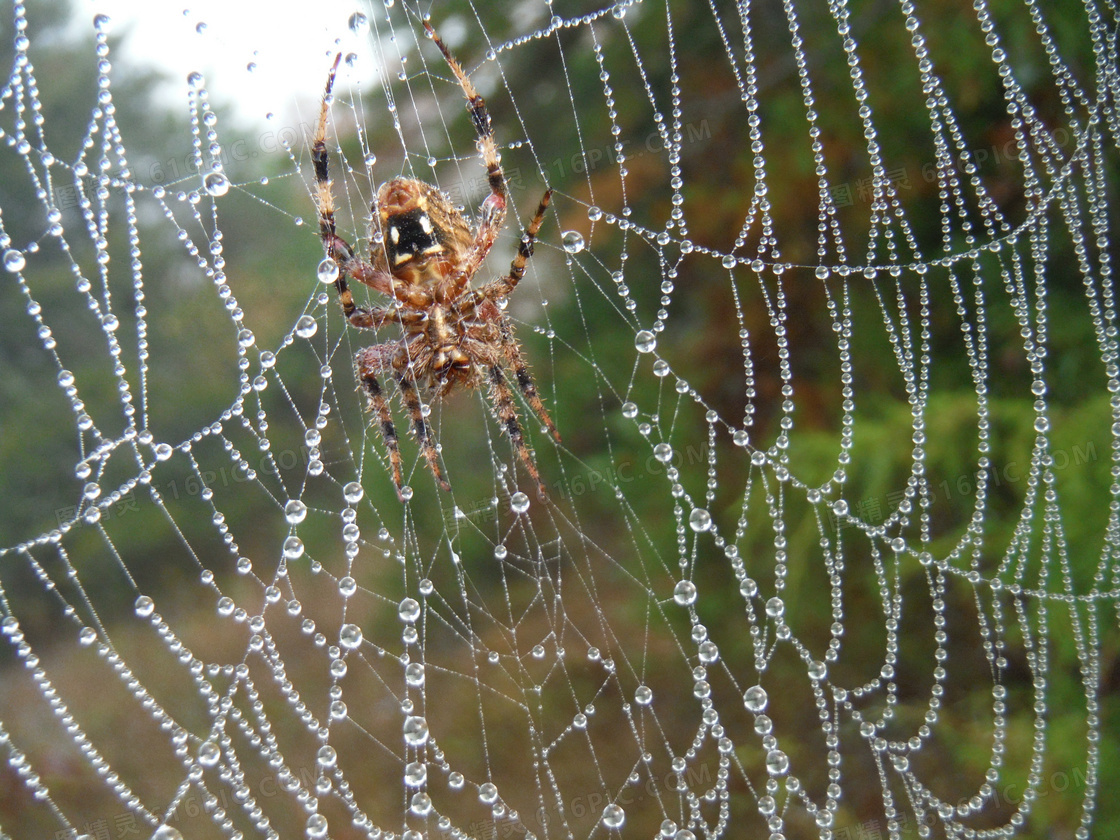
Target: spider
pixel 454 335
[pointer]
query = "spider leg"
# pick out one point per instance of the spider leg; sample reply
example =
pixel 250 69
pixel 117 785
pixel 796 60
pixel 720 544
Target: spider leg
pixel 337 248
pixel 493 211
pixel 371 360
pixel 507 414
pixel 423 433
pixel 524 379
pixel 504 286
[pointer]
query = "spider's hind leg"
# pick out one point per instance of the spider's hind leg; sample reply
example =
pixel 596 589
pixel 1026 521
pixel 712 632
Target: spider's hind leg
pixel 502 397
pixel 524 379
pixel 420 424
pixel 370 361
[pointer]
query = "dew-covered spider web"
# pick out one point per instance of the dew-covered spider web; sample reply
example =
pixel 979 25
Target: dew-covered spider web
pixel 824 311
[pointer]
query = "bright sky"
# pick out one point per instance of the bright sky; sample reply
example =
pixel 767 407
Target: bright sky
pixel 288 42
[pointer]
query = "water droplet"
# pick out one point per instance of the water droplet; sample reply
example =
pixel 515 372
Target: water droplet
pixel 350 636
pixel 353 492
pixel 87 636
pixel 144 606
pixel 358 23
pixel 201 27
pixel 347 586
pixel 166 832
pixel 663 452
pixel 209 753
pixel 370 160
pixel 216 184
pixel 414 674
pixel 415 731
pixel 755 699
pixel 700 520
pixel 316 826
pixel 14 260
pixel 629 410
pixel 101 22
pixel 777 763
pixel 775 607
pixel 327 272
pixel 613 816
pixel 415 774
pixel 488 793
pixel 163 451
pixel 645 341
pixel 456 780
pixel 572 241
pixel 421 805
pixel 643 695
pixel 519 502
pixel 409 610
pixel 293 548
pixel 306 326
pixel 685 593
pixel 295 511
pixel 708 652
pixel 194 79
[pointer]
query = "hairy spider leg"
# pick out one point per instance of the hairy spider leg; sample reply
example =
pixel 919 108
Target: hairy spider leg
pixel 368 364
pixel 337 248
pixel 502 397
pixel 423 433
pixel 524 379
pixel 493 210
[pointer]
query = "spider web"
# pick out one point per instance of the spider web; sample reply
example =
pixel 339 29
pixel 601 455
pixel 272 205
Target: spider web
pixel 824 312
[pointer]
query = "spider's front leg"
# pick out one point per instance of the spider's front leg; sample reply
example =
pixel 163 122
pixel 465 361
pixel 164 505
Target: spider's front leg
pixel 337 248
pixel 493 211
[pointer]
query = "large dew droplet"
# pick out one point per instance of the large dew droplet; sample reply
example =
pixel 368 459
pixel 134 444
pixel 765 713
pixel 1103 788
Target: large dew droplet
pixel 415 731
pixel 327 272
pixel 358 23
pixel 700 520
pixel 755 699
pixel 777 763
pixel 408 610
pixel 216 184
pixel 295 511
pixel 316 826
pixel 415 774
pixel 573 241
pixel 519 502
pixel 14 261
pixel 350 636
pixel 613 816
pixel 209 753
pixel 306 326
pixel 645 341
pixel 685 593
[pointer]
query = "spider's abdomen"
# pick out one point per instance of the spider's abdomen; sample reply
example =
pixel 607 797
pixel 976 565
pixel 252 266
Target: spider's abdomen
pixel 421 233
pixel 410 235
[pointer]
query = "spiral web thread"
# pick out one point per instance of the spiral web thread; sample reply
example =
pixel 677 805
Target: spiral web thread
pixel 706 630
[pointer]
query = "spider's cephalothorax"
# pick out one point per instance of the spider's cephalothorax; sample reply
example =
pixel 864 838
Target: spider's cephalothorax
pixel 454 334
